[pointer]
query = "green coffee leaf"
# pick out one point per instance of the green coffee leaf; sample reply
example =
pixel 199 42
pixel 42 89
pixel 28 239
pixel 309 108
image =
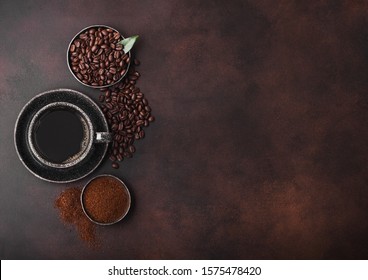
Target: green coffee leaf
pixel 128 43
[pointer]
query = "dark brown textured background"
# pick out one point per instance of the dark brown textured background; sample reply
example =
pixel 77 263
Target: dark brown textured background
pixel 259 149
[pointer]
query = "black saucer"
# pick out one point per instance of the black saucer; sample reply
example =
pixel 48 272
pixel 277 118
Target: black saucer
pixel 51 174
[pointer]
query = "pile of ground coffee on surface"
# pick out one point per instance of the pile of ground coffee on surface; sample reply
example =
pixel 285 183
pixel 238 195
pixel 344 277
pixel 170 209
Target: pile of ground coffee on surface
pixel 71 213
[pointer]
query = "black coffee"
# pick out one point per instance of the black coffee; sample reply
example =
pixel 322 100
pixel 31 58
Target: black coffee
pixel 59 135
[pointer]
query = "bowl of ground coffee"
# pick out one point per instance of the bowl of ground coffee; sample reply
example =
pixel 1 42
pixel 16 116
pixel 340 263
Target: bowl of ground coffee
pixel 105 200
pixel 96 58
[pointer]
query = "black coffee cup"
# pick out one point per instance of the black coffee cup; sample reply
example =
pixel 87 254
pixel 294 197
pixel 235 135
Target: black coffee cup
pixel 70 157
pixel 47 123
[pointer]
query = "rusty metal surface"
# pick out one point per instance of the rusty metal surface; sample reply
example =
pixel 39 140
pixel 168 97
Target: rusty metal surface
pixel 259 149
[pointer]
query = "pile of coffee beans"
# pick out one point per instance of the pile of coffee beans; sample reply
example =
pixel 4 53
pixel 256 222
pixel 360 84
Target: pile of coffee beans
pixel 96 58
pixel 127 113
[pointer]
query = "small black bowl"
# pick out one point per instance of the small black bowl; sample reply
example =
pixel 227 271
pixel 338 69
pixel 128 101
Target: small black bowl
pixel 126 210
pixel 68 58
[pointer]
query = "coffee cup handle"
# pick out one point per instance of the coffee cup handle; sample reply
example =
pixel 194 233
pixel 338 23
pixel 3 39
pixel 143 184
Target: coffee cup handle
pixel 103 137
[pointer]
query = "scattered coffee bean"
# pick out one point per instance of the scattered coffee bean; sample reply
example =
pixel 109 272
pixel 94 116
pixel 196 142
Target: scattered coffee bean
pixel 131 149
pixel 127 112
pixel 96 58
pixel 112 158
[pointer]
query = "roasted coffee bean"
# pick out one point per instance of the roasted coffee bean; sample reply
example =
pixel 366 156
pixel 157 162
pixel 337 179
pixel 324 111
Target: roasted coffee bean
pixel 112 158
pixel 136 62
pixel 116 54
pixel 131 149
pixel 100 51
pixel 112 70
pixel 83 36
pixel 115 165
pixel 94 48
pixel 127 155
pixel 117 35
pixel 114 111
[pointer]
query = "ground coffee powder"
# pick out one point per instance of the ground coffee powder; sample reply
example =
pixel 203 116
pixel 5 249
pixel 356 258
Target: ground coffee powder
pixel 71 213
pixel 105 199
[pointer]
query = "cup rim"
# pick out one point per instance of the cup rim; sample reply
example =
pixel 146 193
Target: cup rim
pixel 39 114
pixel 68 61
pixel 123 186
